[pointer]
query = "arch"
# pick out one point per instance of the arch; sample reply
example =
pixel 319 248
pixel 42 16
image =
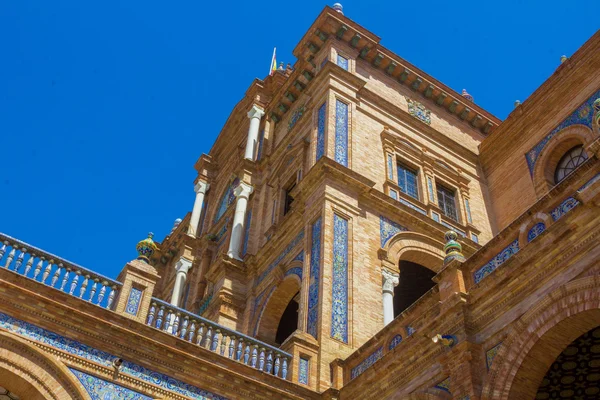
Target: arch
pixel 31 374
pixel 417 248
pixel 529 230
pixel 539 336
pixel 275 306
pixel 557 146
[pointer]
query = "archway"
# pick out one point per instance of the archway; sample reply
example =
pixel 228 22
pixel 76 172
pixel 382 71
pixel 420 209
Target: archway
pixel 30 374
pixel 279 312
pixel 415 281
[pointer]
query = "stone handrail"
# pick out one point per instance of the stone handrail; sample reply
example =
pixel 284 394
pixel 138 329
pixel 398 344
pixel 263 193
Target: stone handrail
pixel 56 272
pixel 218 339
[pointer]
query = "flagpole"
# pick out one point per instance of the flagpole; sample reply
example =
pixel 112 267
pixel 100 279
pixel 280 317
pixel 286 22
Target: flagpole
pixel 272 62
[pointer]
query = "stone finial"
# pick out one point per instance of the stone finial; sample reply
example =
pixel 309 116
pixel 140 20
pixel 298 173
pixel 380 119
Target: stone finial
pixel 146 248
pixel 280 66
pixel 176 224
pixel 452 248
pixel 517 103
pixel 467 95
pixel 563 59
pixel 338 7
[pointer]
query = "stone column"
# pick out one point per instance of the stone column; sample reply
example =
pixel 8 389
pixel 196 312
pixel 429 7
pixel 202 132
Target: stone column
pixel 242 192
pixel 200 188
pixel 182 267
pixel 255 114
pixel 390 280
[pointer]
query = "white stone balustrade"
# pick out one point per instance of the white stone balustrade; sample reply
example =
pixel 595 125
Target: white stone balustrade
pixel 56 272
pixel 218 339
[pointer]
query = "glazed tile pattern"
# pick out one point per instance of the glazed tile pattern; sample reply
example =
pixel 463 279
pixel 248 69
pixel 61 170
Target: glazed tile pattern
pixel 296 115
pixel 247 232
pixel 299 257
pixel 133 302
pixel 444 385
pixel 70 346
pixel 468 208
pixel 227 199
pixel 564 207
pixel 315 272
pixel 410 330
pixel 341 133
pixel 390 167
pixel 498 260
pixel 303 371
pixel 419 111
pixel 339 297
pixel 366 363
pixel 388 228
pixel 281 256
pixel 321 131
pixel 411 205
pixel 396 340
pixel 294 271
pixel 535 231
pixel 342 62
pixel 582 116
pixel 99 389
pixel 430 189
pixel 490 354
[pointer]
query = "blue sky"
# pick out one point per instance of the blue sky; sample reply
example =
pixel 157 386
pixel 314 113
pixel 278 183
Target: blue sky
pixel 105 106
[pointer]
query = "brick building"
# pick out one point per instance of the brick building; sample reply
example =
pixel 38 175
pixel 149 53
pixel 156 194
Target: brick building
pixel 360 230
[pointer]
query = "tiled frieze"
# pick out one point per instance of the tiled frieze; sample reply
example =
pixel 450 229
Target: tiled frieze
pixel 303 373
pixel 498 260
pixel 99 389
pixel 315 272
pixel 40 335
pixel 396 340
pixel 133 301
pixel 490 354
pixel 321 131
pixel 582 116
pixel 535 231
pixel 419 111
pixel 281 256
pixel 567 205
pixel 339 299
pixel 411 205
pixel 366 363
pixel 341 132
pixel 388 228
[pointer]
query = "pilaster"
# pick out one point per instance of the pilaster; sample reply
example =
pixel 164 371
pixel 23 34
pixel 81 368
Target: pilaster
pixel 139 279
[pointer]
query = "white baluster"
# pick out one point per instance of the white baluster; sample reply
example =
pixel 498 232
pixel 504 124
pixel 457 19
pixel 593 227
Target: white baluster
pixel 254 356
pixel 215 341
pixel 19 260
pixel 184 326
pixel 150 314
pixel 29 264
pixel 74 282
pixel 111 296
pixel 247 354
pixel 59 268
pixel 93 289
pixel 38 268
pixel 261 359
pixel 159 318
pixel 277 363
pixel 192 332
pixel 269 361
pixel 200 334
pixel 223 343
pixel 231 346
pixel 176 324
pixel 10 257
pixel 47 271
pixel 102 292
pixel 284 368
pixel 65 279
pixel 3 249
pixel 238 354
pixel 207 344
pixel 84 286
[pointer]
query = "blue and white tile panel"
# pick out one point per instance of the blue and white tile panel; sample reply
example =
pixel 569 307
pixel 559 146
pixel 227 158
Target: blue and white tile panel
pixel 388 228
pixel 133 302
pixel 303 372
pixel 339 297
pixel 99 389
pixel 567 205
pixel 321 131
pixel 535 231
pixel 281 256
pixel 341 133
pixel 498 260
pixel 366 363
pixel 396 340
pixel 315 272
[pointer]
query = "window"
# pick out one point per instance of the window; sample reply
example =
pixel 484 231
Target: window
pixel 569 162
pixel 446 202
pixel 287 205
pixel 407 180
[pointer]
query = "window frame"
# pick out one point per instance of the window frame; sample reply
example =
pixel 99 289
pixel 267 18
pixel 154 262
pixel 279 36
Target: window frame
pixel 415 171
pixel 444 190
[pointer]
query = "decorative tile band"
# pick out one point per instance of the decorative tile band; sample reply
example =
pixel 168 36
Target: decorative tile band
pixel 468 208
pixel 567 205
pixel 321 131
pixel 133 302
pixel 341 133
pixel 315 272
pixel 411 205
pixel 303 371
pixel 410 330
pixel 247 232
pixel 582 116
pixel 70 346
pixel 390 167
pixel 419 111
pixel 396 340
pixel 388 228
pixel 498 260
pixel 296 115
pixel 430 189
pixel 444 385
pixel 99 389
pixel 490 354
pixel 339 297
pixel 281 256
pixel 535 231
pixel 366 363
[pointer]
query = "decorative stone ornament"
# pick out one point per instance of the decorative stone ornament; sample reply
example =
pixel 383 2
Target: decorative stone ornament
pixel 146 248
pixel 467 95
pixel 452 248
pixel 419 111
pixel 338 7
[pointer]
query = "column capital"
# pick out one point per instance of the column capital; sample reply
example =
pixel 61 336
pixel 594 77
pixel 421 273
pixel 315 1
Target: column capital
pixel 183 265
pixel 389 280
pixel 243 190
pixel 201 187
pixel 256 112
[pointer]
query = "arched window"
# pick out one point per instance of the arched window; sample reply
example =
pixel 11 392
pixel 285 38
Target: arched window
pixel 569 162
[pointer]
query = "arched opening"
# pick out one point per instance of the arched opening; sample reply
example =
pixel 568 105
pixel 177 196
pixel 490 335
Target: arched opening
pixel 289 320
pixel 415 281
pixel 569 162
pixel 576 371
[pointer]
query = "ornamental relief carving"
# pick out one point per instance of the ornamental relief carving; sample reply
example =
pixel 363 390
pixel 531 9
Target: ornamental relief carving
pixel 419 111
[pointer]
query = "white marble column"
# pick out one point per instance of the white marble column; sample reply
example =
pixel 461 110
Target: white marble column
pixel 255 114
pixel 242 192
pixel 200 188
pixel 182 267
pixel 390 280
